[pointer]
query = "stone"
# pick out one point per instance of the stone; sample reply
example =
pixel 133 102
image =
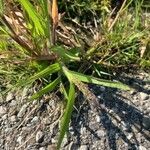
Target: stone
pixel 83 147
pixel 34 102
pixel 8 130
pixel 146 122
pixel 26 129
pixel 132 91
pixel 144 96
pixel 19 140
pixel 22 111
pixel 9 97
pixel 125 126
pixel 54 140
pixel 39 136
pixel 142 147
pixel 29 125
pixel 42 148
pixel 129 137
pixel 13 103
pixel 35 119
pixel 99 97
pixel 3 110
pixel 4 117
pixel 13 118
pixel 98 118
pixel 51 147
pixel 83 130
pixel 100 133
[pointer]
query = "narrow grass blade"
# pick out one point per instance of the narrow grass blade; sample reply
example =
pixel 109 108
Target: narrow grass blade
pixel 46 89
pixel 63 91
pixel 33 14
pixel 6 72
pixel 67 73
pixel 49 70
pixel 48 8
pixel 90 79
pixel 67 114
pixel 64 54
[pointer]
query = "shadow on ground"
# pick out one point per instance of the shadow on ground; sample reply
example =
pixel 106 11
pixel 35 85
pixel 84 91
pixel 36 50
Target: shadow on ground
pixel 119 109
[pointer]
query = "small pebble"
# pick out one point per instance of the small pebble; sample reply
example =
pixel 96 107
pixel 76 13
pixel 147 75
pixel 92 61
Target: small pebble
pixel 99 96
pixel 3 110
pixel 142 148
pixel 83 147
pixel 35 119
pixel 51 147
pixel 22 111
pixel 144 96
pixel 9 97
pixel 100 133
pixel 54 140
pixel 98 119
pixel 129 136
pixel 83 130
pixel 13 118
pixel 13 103
pixel 133 91
pixel 125 126
pixel 34 102
pixel 4 117
pixel 42 148
pixel 7 130
pixel 19 140
pixel 39 136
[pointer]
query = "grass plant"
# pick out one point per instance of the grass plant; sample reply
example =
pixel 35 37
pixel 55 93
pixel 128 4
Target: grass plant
pixel 31 49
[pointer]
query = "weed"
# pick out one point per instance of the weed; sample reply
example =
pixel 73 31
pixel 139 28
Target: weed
pixel 35 40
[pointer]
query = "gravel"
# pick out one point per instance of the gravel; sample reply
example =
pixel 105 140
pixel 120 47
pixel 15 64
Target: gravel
pixel 122 124
pixel 144 96
pixel 22 111
pixel 39 136
pixel 9 97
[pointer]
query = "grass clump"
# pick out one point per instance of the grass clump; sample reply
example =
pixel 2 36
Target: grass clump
pixel 68 49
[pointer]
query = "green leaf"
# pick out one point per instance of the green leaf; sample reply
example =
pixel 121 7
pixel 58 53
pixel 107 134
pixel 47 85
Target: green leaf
pixel 47 71
pixel 67 115
pixel 4 30
pixel 33 14
pixel 65 54
pixel 46 89
pixel 63 90
pixel 67 73
pixel 90 79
